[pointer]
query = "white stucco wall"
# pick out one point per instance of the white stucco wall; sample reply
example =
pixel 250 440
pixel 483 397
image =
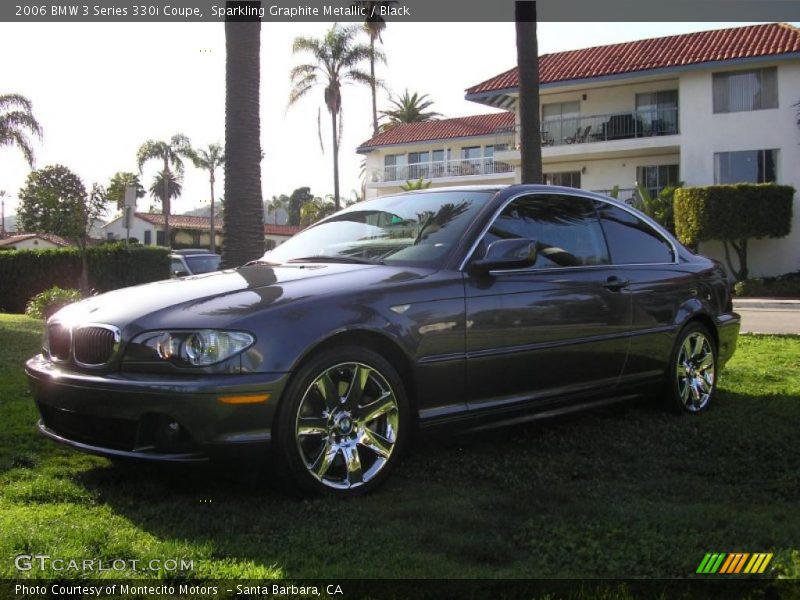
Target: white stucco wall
pixel 34 244
pixel 138 227
pixel 705 133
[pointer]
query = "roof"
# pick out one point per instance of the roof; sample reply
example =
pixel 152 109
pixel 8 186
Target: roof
pixel 204 224
pixel 771 39
pixel 21 237
pixel 439 130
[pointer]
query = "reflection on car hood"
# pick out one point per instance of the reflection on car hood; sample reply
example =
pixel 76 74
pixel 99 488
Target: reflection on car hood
pixel 214 299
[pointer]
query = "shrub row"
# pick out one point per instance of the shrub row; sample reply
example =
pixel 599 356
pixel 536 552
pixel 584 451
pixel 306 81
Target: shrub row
pixel 25 273
pixel 732 212
pixel 783 286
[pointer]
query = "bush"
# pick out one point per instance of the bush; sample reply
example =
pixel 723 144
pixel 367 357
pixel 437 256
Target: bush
pixel 45 304
pixel 783 286
pixel 733 214
pixel 25 273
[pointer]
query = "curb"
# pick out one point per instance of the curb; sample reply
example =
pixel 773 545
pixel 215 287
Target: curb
pixel 766 303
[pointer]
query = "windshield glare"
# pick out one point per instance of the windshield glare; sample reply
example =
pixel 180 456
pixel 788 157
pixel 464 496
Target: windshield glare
pixel 413 229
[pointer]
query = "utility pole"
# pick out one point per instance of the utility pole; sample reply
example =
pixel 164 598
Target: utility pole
pixel 2 214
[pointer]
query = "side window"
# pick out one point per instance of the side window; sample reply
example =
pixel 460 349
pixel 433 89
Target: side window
pixel 565 228
pixel 177 265
pixel 631 240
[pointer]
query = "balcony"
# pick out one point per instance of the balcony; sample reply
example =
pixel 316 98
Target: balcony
pixel 629 196
pixel 463 167
pixel 571 131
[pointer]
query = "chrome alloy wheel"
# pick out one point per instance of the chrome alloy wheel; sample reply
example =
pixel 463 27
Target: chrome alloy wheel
pixel 346 425
pixel 695 371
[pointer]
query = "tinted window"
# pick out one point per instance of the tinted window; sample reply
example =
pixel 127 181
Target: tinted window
pixel 204 263
pixel 565 228
pixel 631 240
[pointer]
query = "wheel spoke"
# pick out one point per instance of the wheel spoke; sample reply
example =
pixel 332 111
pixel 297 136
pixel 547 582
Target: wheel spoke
pixel 376 442
pixel 312 426
pixel 353 462
pixel 357 385
pixel 687 349
pixel 683 386
pixel 327 390
pixel 702 384
pixel 324 460
pixel 378 408
pixel 706 362
pixel 699 340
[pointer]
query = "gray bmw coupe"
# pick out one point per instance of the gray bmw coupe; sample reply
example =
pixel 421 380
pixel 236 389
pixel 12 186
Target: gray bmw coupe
pixel 460 308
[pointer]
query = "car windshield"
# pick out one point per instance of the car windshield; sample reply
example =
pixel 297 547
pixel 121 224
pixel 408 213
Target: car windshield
pixel 204 263
pixel 412 229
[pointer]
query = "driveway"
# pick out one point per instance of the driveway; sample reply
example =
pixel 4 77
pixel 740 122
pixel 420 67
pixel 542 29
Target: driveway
pixel 764 315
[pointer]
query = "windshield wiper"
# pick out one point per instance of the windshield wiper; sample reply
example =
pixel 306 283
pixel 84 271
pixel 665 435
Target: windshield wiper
pixel 336 259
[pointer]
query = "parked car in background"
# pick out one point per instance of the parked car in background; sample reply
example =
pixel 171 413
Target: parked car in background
pixel 193 262
pixel 451 308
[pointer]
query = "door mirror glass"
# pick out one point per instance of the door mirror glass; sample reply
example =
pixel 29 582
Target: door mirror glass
pixel 517 253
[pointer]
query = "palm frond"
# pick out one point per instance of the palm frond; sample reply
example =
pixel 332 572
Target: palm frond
pixel 15 100
pixel 19 139
pixel 18 119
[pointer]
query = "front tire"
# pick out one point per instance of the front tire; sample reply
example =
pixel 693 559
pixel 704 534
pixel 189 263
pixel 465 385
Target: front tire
pixel 692 374
pixel 342 424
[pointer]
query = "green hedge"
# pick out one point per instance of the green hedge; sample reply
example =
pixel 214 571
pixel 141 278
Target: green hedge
pixel 25 273
pixel 732 212
pixel 783 286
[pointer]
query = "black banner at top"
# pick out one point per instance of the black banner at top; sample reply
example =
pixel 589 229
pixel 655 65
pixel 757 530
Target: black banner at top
pixel 131 11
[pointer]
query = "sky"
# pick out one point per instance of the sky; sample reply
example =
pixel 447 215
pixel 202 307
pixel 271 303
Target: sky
pixel 100 90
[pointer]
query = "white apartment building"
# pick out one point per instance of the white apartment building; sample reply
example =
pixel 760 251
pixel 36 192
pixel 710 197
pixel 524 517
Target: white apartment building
pixel 701 108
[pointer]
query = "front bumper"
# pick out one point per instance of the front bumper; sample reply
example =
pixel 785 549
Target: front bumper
pixel 155 417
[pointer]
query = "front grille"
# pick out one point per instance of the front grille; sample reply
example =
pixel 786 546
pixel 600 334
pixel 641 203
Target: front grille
pixel 119 434
pixel 93 345
pixel 58 340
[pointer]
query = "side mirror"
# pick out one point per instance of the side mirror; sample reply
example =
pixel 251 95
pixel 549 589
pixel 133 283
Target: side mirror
pixel 181 273
pixel 518 253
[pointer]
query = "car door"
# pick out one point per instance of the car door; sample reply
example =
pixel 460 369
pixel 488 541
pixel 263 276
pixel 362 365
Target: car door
pixel 558 327
pixel 658 287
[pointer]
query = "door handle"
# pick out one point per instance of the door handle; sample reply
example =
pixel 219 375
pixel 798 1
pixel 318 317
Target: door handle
pixel 615 284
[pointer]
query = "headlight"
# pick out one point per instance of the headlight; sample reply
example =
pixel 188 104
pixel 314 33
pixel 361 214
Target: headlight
pixel 188 348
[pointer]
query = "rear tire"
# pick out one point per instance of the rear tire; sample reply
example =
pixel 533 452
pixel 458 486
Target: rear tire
pixel 692 373
pixel 342 424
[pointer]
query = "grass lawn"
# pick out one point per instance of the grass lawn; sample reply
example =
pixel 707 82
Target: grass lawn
pixel 630 492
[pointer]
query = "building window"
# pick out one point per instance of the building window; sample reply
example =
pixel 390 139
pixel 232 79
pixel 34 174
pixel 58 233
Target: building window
pixel 749 166
pixel 560 121
pixel 737 91
pixel 148 237
pixel 395 167
pixel 656 177
pixel 565 178
pixel 269 245
pixel 658 112
pixel 160 239
pixel 418 164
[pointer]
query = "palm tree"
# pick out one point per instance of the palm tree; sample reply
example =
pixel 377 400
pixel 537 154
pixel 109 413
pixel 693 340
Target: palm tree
pixel 243 224
pixel 315 210
pixel 374 24
pixel 209 159
pixel 17 123
pixel 170 154
pixel 166 186
pixel 409 108
pixel 528 68
pixel 336 61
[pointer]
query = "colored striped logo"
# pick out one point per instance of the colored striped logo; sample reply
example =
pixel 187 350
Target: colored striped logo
pixel 734 563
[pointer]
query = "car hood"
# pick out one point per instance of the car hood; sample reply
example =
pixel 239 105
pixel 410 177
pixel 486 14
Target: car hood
pixel 222 298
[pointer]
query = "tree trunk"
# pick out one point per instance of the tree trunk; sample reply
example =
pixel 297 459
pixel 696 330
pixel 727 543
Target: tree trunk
pixel 335 161
pixel 528 67
pixel 243 221
pixel 372 85
pixel 84 282
pixel 213 245
pixel 742 272
pixel 165 204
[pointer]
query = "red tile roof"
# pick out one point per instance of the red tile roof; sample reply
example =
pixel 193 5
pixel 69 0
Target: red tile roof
pixel 771 39
pixel 10 240
pixel 442 129
pixel 204 223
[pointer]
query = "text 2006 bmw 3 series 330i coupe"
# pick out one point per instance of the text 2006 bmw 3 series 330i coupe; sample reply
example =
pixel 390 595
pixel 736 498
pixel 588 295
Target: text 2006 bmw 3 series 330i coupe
pixel 467 307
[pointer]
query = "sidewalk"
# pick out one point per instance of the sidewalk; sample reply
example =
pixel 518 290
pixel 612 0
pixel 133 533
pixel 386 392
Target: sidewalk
pixel 768 315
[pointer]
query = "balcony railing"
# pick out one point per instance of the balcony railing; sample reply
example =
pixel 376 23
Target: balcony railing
pixel 442 168
pixel 599 128
pixel 627 195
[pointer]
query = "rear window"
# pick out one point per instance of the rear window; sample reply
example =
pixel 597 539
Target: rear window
pixel 203 263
